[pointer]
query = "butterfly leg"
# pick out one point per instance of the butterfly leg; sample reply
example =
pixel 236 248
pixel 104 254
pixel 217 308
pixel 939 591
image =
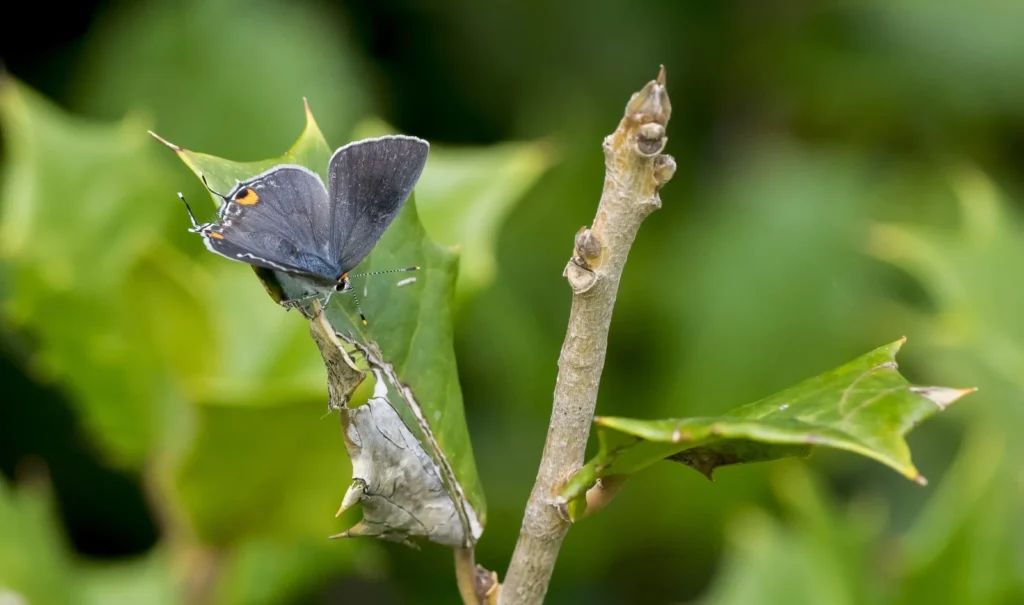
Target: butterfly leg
pixel 297 303
pixel 327 300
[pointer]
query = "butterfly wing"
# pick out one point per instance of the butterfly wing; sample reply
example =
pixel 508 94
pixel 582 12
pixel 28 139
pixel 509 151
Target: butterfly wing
pixel 276 220
pixel 368 182
pixel 255 249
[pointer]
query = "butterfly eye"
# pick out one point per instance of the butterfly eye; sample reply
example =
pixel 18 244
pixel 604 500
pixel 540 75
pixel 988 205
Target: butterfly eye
pixel 246 197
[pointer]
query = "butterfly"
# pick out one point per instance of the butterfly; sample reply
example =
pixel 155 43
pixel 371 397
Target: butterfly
pixel 286 219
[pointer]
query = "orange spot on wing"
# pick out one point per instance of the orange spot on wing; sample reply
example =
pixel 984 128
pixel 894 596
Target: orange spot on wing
pixel 215 235
pixel 246 197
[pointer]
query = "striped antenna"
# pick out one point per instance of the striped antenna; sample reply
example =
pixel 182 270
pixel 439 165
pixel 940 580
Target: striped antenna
pixel 413 268
pixel 359 308
pixel 196 227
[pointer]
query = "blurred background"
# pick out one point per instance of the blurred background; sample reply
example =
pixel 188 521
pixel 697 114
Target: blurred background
pixel 849 173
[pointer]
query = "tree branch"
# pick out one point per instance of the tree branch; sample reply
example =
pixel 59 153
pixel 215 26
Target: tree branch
pixel 635 170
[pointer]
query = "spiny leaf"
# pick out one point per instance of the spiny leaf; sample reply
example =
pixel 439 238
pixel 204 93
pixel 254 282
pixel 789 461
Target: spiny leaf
pixel 309 150
pixel 864 406
pixel 399 473
pixel 409 327
pixel 79 213
pixel 971 273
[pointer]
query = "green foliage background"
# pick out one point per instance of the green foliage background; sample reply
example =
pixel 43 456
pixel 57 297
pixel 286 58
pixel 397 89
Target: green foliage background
pixel 848 174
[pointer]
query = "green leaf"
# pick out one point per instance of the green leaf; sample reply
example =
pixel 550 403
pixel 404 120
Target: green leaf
pixel 279 460
pixel 310 150
pixel 221 74
pixel 971 274
pixel 865 407
pixel 130 326
pixel 79 210
pixel 412 328
pixel 33 561
pixel 146 579
pixel 268 572
pixel 962 546
pixel 409 328
pixel 400 474
pixel 36 563
pixel 820 555
pixel 287 568
pixel 284 366
pixel 466 193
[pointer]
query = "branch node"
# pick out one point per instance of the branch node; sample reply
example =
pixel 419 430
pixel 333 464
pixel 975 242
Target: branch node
pixel 588 248
pixel 586 256
pixel 664 168
pixel 487 586
pixel 651 104
pixel 562 508
pixel 650 139
pixel 581 279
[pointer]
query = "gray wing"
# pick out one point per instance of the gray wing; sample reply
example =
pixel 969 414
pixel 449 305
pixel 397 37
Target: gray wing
pixel 368 182
pixel 290 200
pixel 280 217
pixel 263 250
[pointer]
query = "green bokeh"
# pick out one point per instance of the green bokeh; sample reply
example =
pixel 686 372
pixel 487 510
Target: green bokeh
pixel 848 174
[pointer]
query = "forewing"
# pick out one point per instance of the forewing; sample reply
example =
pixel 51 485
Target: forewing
pixel 368 182
pixel 287 201
pixel 277 220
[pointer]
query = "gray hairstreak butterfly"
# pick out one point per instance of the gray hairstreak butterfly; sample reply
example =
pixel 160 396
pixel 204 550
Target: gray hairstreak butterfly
pixel 286 219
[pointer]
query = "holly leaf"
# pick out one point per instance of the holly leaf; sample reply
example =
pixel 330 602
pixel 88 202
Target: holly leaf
pixel 972 327
pixel 310 150
pixel 407 342
pixel 865 406
pixel 78 215
pixel 33 558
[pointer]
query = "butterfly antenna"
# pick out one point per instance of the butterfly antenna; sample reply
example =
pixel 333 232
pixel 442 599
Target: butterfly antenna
pixel 413 268
pixel 196 227
pixel 359 308
pixel 210 189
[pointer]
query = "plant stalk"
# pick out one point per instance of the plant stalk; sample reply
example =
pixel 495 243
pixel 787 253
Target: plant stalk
pixel 635 170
